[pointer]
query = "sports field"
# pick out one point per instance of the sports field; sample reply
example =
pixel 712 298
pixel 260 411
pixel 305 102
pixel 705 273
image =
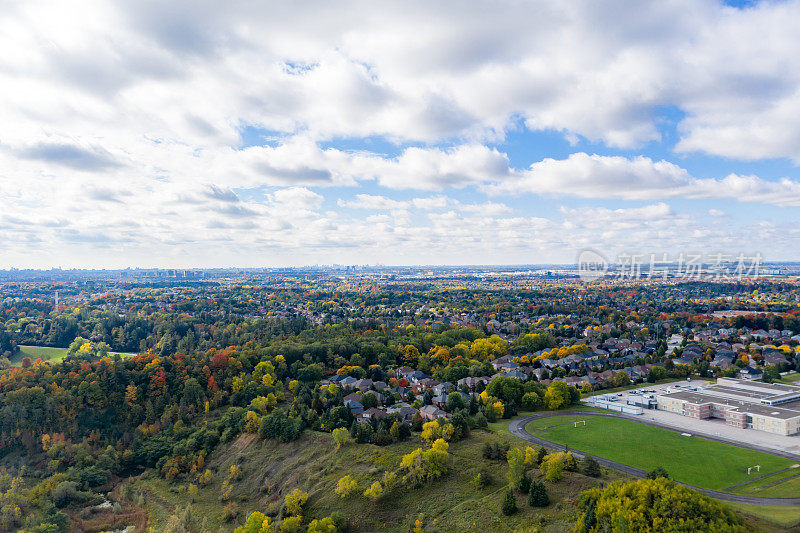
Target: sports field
pixel 696 461
pixel 776 485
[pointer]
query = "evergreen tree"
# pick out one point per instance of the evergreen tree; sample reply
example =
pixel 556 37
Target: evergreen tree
pixel 540 453
pixel 537 497
pixel 657 473
pixel 590 467
pixel 525 484
pixel 509 503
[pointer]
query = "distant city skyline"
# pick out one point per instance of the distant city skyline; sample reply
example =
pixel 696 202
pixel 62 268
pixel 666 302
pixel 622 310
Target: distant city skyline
pixel 201 134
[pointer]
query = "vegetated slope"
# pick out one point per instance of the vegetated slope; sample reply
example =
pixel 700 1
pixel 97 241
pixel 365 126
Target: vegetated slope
pixel 452 503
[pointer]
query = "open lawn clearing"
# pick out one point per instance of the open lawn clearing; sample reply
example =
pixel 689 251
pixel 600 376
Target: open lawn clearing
pixel 47 353
pixel 693 460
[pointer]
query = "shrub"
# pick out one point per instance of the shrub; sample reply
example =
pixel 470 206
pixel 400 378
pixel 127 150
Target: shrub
pixel 346 486
pixel 230 512
pixel 65 493
pixel 340 436
pixel 525 484
pixel 495 451
pixel 291 524
pixel 375 491
pixel 323 525
pixel 295 501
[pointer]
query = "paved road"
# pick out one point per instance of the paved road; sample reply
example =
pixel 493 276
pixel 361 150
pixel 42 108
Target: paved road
pixel 517 427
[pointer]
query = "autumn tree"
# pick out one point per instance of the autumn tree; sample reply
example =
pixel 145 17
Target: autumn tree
pixel 653 505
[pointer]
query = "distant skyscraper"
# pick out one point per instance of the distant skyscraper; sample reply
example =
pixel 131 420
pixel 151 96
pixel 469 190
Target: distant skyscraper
pixel 56 301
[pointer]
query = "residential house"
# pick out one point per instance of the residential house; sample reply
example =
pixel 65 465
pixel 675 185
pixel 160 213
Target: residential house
pixel 431 412
pixel 749 372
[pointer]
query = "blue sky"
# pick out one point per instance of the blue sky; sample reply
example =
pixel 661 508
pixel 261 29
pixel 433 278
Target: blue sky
pixel 195 134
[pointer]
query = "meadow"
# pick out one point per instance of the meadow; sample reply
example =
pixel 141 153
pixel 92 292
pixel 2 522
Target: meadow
pixel 47 353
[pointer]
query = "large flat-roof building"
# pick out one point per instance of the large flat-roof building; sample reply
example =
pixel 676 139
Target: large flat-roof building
pixel 771 407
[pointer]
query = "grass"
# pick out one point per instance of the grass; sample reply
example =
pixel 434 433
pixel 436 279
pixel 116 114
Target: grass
pixel 762 479
pixel 46 353
pixel 785 484
pixel 787 517
pixel 791 378
pixel 693 460
pixel 502 425
pixel 452 503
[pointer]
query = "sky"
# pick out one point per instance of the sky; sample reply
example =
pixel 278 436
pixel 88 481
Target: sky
pixel 246 134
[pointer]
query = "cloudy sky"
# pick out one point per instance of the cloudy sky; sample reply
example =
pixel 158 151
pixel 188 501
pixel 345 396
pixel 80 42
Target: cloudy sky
pixel 177 134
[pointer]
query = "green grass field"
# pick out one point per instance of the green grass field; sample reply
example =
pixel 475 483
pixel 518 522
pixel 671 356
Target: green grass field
pixel 786 517
pixel 693 460
pixel 791 378
pixel 780 485
pixel 45 353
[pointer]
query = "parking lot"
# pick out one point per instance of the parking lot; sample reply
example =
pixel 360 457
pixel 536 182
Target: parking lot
pixel 712 427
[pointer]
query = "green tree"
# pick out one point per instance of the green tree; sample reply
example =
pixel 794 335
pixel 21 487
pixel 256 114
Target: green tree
pixel 516 467
pixel 557 395
pixel 590 467
pixel 340 436
pixel 509 506
pixel 507 389
pixel 657 373
pixel 658 472
pixel 531 401
pixel 537 496
pixel 621 379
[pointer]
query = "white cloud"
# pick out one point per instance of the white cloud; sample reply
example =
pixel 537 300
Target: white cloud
pixel 373 202
pixel 194 73
pixel 639 178
pixel 487 209
pixel 297 197
pixel 121 123
pixel 431 202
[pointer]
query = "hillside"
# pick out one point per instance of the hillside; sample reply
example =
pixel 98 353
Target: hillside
pixel 270 470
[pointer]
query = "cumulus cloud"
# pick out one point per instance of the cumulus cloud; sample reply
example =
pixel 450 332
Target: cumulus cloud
pixel 373 202
pixel 639 178
pixel 298 197
pixel 123 123
pixel 487 209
